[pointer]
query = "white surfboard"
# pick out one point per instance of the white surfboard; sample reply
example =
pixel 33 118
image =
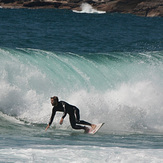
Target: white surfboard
pixel 98 126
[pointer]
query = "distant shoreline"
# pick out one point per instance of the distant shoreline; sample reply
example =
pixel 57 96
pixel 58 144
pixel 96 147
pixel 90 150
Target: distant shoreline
pixel 146 8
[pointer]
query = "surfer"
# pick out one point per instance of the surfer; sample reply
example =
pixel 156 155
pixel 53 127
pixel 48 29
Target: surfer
pixel 73 111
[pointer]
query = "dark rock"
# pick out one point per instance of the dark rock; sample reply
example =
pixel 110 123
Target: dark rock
pixel 37 4
pixel 8 1
pixel 137 7
pixel 150 8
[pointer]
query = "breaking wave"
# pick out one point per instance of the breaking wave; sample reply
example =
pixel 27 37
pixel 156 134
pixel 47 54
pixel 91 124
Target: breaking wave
pixel 124 90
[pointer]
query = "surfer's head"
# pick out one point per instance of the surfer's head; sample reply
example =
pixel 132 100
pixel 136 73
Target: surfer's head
pixel 54 100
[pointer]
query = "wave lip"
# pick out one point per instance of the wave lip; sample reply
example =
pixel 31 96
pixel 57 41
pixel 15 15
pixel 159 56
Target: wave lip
pixel 87 8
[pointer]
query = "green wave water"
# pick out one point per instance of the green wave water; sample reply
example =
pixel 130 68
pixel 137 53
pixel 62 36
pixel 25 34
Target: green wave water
pixel 127 87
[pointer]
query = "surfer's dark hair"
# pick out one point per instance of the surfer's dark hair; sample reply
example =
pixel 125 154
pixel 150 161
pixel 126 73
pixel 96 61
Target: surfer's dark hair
pixel 55 98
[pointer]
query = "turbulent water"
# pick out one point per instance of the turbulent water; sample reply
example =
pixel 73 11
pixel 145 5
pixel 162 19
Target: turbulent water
pixel 109 65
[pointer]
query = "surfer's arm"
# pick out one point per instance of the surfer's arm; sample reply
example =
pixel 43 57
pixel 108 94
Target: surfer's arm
pixel 47 127
pixel 61 121
pixel 51 119
pixel 64 115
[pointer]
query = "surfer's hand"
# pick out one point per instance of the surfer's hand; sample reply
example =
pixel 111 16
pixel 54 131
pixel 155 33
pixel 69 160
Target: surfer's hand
pixel 47 128
pixel 61 121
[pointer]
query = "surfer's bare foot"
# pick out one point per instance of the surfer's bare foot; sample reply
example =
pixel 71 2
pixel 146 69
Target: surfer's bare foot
pixel 93 126
pixel 86 129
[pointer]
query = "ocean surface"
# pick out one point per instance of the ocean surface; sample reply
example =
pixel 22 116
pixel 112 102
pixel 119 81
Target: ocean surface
pixel 108 65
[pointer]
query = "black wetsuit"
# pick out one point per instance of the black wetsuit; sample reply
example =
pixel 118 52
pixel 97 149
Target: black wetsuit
pixel 73 112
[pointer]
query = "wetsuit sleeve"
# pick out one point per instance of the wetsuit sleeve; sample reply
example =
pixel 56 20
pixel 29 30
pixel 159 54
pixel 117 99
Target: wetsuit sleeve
pixel 52 116
pixel 65 112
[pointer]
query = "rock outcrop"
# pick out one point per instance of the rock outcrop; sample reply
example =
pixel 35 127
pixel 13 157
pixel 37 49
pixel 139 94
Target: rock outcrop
pixel 149 8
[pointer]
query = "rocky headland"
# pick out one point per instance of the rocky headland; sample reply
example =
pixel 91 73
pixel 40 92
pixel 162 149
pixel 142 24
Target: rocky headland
pixel 147 8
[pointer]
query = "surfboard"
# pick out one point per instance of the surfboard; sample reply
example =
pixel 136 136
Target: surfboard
pixel 98 126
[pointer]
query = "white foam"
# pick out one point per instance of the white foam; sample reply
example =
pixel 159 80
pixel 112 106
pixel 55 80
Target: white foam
pixel 131 107
pixel 80 154
pixel 87 8
pixel 10 118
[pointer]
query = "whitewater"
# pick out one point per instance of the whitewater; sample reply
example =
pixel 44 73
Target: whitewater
pixel 87 8
pixel 110 78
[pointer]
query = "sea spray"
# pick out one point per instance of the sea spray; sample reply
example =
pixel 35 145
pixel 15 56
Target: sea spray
pixel 87 8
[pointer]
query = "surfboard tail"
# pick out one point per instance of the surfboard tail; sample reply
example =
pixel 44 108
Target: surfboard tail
pixel 93 131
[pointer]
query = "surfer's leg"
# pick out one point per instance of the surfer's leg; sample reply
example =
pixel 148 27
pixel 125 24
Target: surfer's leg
pixel 83 123
pixel 73 123
pixel 77 117
pixel 77 114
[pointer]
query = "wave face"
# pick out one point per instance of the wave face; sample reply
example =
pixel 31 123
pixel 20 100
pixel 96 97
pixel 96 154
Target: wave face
pixel 122 89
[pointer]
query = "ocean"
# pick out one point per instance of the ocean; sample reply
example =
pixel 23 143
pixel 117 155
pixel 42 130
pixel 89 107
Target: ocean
pixel 109 65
